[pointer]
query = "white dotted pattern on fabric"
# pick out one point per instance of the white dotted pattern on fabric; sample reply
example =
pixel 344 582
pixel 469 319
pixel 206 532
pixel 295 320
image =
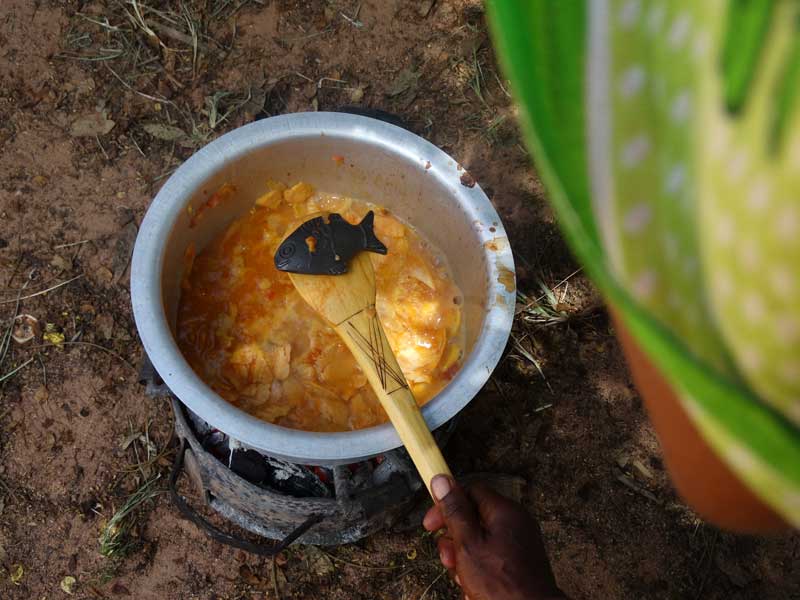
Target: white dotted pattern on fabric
pixel 737 167
pixel 782 280
pixel 790 371
pixel 635 151
pixel 758 198
pixel 787 224
pixel 701 45
pixel 629 13
pixel 679 31
pixel 656 17
pixel 723 286
pixel 645 285
pixel 637 218
pixel 749 254
pixel 725 230
pixel 670 247
pixel 753 306
pixel 632 81
pixel 681 107
pixel 676 179
pixel 787 329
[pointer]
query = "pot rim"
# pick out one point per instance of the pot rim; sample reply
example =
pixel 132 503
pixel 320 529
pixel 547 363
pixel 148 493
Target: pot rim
pixel 281 442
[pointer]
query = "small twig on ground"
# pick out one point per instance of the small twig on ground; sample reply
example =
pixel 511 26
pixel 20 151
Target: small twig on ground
pixel 236 8
pixel 50 289
pixel 31 277
pixel 359 565
pixel 103 348
pixel 274 577
pixel 38 283
pixel 151 461
pixel 543 314
pixel 103 150
pixel 194 40
pixel 550 308
pixel 137 19
pixel 215 116
pixel 136 145
pixel 167 173
pixel 354 19
pixel 15 371
pixel 530 357
pixel 174 34
pixel 327 29
pixel 70 244
pixel 499 389
pixel 153 454
pixel 104 23
pixel 5 341
pixel 142 94
pixel 319 83
pixel 502 87
pixel 90 344
pixel 710 558
pixel 555 287
pixel 626 481
pixel 114 53
pixel 428 589
pixel 44 369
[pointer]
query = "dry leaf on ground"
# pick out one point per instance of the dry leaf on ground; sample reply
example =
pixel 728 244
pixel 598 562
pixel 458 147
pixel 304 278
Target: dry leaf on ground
pixel 167 133
pixel 406 80
pixel 91 125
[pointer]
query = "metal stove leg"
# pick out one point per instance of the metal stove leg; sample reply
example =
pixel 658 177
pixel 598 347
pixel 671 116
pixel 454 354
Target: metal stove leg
pixel 220 536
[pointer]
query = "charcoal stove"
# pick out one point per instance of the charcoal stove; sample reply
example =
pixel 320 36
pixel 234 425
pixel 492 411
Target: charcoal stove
pixel 285 501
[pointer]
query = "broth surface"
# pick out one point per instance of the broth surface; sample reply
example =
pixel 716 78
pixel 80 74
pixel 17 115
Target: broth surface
pixel 249 335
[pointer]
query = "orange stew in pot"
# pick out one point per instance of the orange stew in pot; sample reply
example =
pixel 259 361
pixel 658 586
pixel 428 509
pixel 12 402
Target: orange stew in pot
pixel 250 336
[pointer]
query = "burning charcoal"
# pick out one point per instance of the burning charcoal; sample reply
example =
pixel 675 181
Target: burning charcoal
pixel 249 464
pixel 360 475
pixel 216 443
pixel 297 480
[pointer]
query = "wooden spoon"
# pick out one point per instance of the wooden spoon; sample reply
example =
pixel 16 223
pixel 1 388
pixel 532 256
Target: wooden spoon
pixel 347 302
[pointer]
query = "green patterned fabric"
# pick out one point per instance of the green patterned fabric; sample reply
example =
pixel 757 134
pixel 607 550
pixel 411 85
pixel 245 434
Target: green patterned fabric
pixel 666 134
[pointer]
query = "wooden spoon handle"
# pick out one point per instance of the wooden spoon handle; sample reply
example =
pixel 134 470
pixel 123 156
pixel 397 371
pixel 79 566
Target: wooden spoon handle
pixel 365 337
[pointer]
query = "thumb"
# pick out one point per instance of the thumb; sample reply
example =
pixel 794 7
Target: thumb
pixel 457 509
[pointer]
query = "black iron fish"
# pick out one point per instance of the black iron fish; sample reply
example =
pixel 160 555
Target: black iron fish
pixel 320 247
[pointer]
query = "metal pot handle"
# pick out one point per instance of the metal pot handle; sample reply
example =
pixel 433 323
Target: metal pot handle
pixel 220 536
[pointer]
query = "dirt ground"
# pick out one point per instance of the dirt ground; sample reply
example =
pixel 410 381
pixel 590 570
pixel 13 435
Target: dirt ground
pixel 98 108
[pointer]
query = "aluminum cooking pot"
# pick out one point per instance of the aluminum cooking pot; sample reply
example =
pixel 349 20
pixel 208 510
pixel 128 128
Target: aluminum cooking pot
pixel 383 164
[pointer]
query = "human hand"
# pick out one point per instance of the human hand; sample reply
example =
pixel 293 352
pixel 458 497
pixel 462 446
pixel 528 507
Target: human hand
pixel 492 546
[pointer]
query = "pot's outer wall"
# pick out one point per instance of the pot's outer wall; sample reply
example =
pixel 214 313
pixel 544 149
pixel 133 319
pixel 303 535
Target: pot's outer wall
pixel 383 164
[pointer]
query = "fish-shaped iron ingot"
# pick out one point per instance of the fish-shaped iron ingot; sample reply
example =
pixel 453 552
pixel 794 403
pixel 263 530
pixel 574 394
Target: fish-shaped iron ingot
pixel 325 247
